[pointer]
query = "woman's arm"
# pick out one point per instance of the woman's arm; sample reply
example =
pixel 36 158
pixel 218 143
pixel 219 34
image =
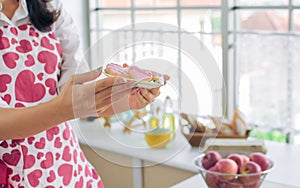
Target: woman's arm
pixel 76 100
pixel 24 122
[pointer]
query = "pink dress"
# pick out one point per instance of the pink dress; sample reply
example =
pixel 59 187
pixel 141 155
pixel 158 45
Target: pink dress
pixel 29 72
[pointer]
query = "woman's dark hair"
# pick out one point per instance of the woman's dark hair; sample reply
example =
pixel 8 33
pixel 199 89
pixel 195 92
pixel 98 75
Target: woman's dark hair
pixel 41 14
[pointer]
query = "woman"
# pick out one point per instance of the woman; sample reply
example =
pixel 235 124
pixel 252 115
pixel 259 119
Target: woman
pixel 39 52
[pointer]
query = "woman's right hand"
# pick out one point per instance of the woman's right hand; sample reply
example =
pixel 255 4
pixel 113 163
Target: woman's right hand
pixel 82 98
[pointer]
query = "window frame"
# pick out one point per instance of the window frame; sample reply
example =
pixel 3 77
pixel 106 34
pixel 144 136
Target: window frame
pixel 229 34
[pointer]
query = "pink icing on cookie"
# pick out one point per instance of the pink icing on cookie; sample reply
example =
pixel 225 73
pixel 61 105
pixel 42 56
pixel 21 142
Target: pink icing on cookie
pixel 116 70
pixel 154 74
pixel 133 72
pixel 139 74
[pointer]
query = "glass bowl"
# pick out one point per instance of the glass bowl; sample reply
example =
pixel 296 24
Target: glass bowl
pixel 222 180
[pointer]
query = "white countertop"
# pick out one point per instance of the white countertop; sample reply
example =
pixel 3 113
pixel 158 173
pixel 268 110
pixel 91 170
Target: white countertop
pixel 180 154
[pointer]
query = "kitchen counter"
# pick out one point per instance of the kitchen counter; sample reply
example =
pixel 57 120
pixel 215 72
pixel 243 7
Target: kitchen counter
pixel 197 181
pixel 180 154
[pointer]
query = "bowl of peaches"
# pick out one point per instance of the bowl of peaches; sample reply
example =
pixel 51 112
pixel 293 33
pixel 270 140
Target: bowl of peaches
pixel 233 171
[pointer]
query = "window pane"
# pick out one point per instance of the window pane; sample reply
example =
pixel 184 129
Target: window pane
pixel 296 2
pixel 267 20
pixel 93 4
pixel 97 35
pixel 173 3
pixel 262 66
pixel 110 19
pixel 115 3
pixel 155 3
pixel 161 16
pixel 95 49
pixel 93 18
pixel 201 20
pixel 214 44
pixel 195 100
pixel 296 20
pixel 201 23
pixel 197 90
pixel 294 72
pixel 200 2
pixel 261 2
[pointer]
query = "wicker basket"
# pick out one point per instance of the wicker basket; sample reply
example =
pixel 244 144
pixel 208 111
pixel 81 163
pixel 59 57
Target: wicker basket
pixel 197 139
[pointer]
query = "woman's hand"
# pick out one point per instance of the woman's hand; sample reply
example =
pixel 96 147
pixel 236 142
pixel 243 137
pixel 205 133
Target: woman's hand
pixel 82 99
pixel 141 97
pixel 136 99
pixel 104 97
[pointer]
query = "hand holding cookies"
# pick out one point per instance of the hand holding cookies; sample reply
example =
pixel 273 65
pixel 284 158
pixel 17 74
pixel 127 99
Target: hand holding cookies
pixel 147 84
pixel 121 91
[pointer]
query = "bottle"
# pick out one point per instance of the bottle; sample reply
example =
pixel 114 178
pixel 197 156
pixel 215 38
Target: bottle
pixel 168 120
pixel 154 120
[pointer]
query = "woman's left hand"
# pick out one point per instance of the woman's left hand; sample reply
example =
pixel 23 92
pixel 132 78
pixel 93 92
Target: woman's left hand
pixel 141 97
pixel 136 99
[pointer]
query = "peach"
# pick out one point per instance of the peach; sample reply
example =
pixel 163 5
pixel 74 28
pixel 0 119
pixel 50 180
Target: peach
pixel 210 159
pixel 245 158
pixel 261 160
pixel 227 166
pixel 236 158
pixel 250 168
pixel 211 179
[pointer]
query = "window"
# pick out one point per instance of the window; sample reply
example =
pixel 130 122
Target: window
pixel 266 54
pixel 255 45
pixel 200 19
